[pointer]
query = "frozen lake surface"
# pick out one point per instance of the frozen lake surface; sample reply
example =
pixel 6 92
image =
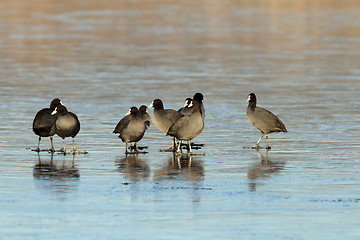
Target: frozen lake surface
pixel 301 58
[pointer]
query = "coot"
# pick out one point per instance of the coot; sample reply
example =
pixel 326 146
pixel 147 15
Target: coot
pixel 186 110
pixel 164 118
pixel 189 126
pixel 131 128
pixel 263 120
pixel 145 116
pixel 44 123
pixel 67 125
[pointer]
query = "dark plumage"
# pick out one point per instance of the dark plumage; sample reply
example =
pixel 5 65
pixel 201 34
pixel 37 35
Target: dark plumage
pixel 189 126
pixel 164 118
pixel 145 116
pixel 263 120
pixel 186 110
pixel 67 125
pixel 202 108
pixel 44 123
pixel 131 127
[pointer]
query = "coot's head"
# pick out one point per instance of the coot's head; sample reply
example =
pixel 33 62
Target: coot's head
pixel 251 98
pixel 133 111
pixel 54 103
pixel 143 109
pixel 198 97
pixel 157 104
pixel 187 102
pixel 60 110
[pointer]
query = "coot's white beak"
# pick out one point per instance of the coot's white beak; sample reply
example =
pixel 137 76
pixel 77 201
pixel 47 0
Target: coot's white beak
pixel 151 105
pixel 249 98
pixel 54 112
pixel 61 103
pixel 129 112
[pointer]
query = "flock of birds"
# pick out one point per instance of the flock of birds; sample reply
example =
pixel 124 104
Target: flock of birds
pixel 184 124
pixel 56 119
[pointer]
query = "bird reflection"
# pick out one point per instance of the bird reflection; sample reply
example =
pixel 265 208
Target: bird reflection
pixel 55 169
pixel 181 166
pixel 134 168
pixel 263 169
pixel 59 173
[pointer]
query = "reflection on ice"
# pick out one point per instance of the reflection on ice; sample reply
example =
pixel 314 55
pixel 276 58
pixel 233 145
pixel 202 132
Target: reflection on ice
pixel 181 166
pixel 133 167
pixel 63 169
pixel 263 169
pixel 58 174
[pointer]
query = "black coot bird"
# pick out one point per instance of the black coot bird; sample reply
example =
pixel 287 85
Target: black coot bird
pixel 44 123
pixel 263 120
pixel 145 116
pixel 131 128
pixel 186 110
pixel 164 118
pixel 67 125
pixel 189 126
